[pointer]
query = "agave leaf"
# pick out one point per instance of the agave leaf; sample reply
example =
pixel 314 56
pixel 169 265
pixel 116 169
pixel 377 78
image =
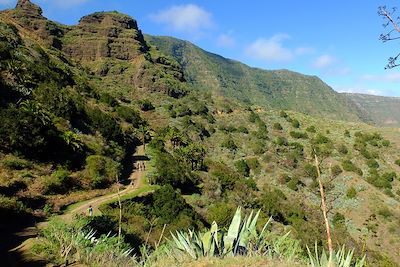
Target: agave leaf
pixel 233 230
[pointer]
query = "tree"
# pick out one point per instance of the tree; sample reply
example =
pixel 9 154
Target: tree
pixel 144 133
pixel 391 22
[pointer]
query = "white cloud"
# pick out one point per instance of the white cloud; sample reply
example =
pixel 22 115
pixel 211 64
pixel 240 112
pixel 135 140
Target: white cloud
pixel 301 51
pixel 324 61
pixel 390 77
pixel 184 18
pixel 270 49
pixel 360 90
pixel 225 40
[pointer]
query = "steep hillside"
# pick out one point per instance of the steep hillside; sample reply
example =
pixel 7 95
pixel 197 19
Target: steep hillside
pixel 383 111
pixel 77 100
pixel 281 89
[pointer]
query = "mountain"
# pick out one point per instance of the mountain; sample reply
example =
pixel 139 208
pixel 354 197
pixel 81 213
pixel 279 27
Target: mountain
pixel 76 102
pixel 280 89
pixel 383 111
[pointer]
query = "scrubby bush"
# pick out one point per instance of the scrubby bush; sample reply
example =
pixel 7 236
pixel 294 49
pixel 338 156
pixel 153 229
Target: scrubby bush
pixel 105 123
pixel 15 163
pixel 342 149
pixel 372 163
pixel 108 99
pixel 242 129
pixel 320 139
pixel 242 167
pixel 277 126
pixel 298 135
pixel 295 123
pixel 281 141
pixel 311 129
pixel 229 144
pixel 146 105
pixel 386 143
pixel 349 166
pixel 397 162
pixel 310 170
pixel 221 213
pixel 283 114
pixel 336 170
pixel 351 192
pixel 380 181
pixel 58 182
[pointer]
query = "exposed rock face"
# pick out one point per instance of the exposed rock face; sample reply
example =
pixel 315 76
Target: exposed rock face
pixel 29 9
pixel 105 35
pixel 30 16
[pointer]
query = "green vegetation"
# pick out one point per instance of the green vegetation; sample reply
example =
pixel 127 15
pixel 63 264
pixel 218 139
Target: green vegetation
pixel 68 132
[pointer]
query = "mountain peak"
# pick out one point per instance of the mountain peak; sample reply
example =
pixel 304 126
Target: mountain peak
pixel 29 9
pixel 109 19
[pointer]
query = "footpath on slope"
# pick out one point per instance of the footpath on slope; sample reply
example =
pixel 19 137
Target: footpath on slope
pixel 19 256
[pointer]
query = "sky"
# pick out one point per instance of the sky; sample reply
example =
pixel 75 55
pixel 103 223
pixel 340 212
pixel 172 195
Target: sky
pixel 335 40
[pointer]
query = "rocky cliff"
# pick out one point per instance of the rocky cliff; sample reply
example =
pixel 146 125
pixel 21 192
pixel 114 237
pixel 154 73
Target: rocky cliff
pixel 104 35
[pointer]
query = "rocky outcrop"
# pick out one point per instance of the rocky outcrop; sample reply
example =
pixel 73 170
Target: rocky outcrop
pixel 105 35
pixel 28 9
pixel 30 17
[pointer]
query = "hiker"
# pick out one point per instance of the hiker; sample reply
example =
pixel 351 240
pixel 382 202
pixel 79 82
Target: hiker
pixel 144 166
pixel 90 210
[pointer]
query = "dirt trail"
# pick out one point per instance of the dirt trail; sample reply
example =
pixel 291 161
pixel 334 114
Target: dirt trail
pixel 136 181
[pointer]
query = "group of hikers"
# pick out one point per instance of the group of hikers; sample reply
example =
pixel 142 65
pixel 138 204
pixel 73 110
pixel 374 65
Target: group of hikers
pixel 140 166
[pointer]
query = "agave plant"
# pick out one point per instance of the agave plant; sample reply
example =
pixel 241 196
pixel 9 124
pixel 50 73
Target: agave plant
pixel 242 238
pixel 341 258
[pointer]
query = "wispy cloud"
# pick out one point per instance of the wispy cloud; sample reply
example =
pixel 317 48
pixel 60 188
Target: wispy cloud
pixel 188 18
pixel 304 50
pixel 389 77
pixel 271 49
pixel 324 61
pixel 360 90
pixel 226 40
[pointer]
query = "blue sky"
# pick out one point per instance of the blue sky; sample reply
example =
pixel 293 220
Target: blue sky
pixel 335 40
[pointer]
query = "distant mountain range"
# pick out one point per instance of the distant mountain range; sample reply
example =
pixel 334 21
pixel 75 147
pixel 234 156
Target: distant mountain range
pixel 383 111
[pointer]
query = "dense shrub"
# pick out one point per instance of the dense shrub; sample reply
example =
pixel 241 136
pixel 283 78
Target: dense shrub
pixel 221 213
pixel 381 181
pixel 171 171
pixel 106 124
pixel 242 167
pixel 129 115
pixel 397 162
pixel 100 171
pixel 30 133
pixel 168 204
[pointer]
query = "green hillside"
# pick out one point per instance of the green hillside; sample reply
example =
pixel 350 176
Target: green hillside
pixel 383 111
pixel 281 89
pixel 77 102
